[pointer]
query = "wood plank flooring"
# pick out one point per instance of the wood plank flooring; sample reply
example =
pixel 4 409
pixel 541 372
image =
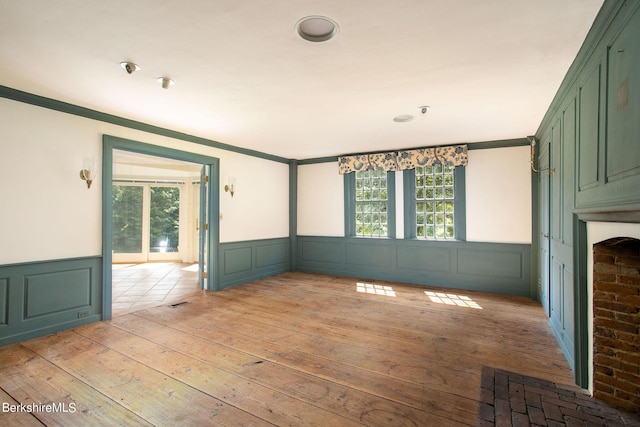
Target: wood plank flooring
pixel 295 349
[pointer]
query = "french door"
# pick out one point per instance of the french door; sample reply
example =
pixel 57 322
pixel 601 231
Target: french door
pixel 146 222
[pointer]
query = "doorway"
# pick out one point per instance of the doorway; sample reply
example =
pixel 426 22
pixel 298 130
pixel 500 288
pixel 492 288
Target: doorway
pixel 158 206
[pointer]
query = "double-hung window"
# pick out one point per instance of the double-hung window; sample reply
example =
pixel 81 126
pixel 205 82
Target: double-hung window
pixel 370 203
pixel 434 202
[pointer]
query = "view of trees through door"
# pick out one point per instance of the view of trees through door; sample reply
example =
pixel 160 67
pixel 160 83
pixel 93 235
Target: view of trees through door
pixel 146 218
pixel 156 212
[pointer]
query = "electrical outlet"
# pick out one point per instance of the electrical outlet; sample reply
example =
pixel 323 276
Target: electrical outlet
pixel 83 314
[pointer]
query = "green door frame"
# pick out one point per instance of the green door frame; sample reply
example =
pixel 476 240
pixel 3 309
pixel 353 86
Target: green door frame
pixel 111 143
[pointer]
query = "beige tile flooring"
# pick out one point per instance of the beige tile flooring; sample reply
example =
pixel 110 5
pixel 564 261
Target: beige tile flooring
pixel 137 286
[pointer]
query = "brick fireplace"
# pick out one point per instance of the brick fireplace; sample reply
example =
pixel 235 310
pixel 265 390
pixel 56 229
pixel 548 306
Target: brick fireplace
pixel 616 322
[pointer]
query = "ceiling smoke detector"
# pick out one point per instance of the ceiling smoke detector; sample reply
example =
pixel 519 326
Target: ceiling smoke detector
pixel 317 28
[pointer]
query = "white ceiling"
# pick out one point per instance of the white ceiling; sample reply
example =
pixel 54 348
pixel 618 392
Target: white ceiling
pixel 489 69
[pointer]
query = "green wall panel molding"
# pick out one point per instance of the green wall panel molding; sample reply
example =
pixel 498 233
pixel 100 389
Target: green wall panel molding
pixel 623 103
pixel 459 265
pixel 237 260
pixel 4 302
pixel 47 293
pixel 594 136
pixel 244 261
pixel 43 297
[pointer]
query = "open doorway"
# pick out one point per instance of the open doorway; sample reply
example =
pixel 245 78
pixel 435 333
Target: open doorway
pixel 155 235
pixel 158 208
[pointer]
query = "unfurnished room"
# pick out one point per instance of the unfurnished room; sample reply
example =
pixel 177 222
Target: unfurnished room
pixel 320 213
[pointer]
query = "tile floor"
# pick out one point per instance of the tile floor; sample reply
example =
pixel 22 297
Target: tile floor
pixel 137 286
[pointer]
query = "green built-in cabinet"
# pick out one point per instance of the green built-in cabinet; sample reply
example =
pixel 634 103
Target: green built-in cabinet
pixel 590 137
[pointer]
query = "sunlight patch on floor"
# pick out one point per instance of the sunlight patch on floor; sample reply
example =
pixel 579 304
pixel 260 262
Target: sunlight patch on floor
pixel 192 267
pixel 369 288
pixel 452 299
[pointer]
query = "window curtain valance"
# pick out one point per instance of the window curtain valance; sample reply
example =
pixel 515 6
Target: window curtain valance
pixel 366 162
pixel 427 157
pixel 404 160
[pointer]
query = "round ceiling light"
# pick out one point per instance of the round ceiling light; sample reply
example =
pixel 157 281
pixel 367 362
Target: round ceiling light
pixel 403 118
pixel 317 28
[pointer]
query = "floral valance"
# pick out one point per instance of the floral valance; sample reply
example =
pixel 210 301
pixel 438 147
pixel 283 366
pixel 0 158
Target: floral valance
pixel 403 160
pixel 366 162
pixel 426 157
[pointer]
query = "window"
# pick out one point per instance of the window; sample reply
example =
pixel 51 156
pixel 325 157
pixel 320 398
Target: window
pixel 370 204
pixel 434 203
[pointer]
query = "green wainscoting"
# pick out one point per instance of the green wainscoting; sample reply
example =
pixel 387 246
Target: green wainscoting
pixel 242 262
pixel 40 298
pixel 489 267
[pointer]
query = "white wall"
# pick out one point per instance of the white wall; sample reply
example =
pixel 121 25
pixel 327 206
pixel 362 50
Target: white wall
pixel 47 212
pixel 498 195
pixel 320 200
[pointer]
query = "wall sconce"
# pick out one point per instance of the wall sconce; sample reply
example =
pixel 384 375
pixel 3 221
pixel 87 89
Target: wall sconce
pixel 533 160
pixel 230 187
pixel 89 170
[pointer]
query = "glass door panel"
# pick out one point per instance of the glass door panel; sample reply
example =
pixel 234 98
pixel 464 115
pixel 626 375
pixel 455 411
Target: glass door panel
pixel 127 219
pixel 164 219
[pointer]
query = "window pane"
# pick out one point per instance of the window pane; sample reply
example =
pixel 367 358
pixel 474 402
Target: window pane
pixel 164 219
pixel 127 219
pixel 434 202
pixel 371 203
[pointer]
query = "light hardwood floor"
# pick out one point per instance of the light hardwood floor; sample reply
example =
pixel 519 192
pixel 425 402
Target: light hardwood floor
pixel 295 349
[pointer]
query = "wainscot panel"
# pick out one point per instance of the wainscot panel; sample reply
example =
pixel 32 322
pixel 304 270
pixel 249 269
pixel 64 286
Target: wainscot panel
pixel 242 262
pixel 482 262
pixel 491 267
pixel 318 252
pixel 44 297
pixel 437 259
pixel 237 260
pixel 4 300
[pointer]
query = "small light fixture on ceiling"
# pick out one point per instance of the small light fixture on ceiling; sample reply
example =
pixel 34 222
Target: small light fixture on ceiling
pixel 166 82
pixel 129 67
pixel 402 118
pixel 317 28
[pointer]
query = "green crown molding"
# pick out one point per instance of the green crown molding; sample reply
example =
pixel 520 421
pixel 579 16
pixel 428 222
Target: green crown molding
pixel 503 143
pixel 64 107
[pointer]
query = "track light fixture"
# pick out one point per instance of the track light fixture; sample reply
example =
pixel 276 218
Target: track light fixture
pixel 129 67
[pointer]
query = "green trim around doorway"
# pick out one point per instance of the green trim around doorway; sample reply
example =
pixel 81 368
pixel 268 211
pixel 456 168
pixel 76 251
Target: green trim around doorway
pixel 111 143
